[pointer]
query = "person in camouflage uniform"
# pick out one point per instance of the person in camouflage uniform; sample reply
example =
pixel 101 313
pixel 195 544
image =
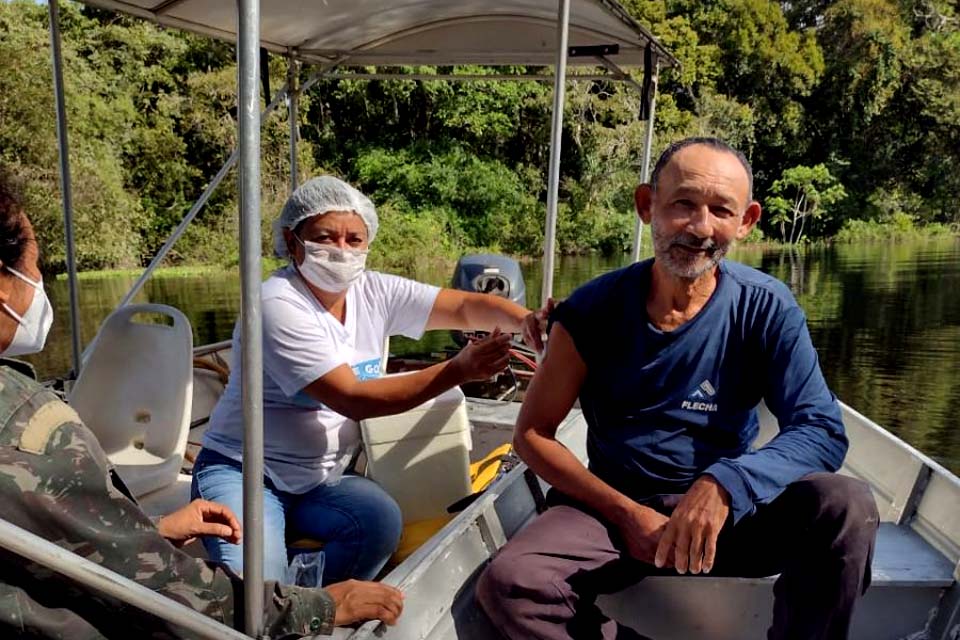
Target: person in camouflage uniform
pixel 56 482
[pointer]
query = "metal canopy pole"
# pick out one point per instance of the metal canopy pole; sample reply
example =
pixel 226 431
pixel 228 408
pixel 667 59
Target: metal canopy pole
pixel 293 97
pixel 556 132
pixel 100 579
pixel 647 149
pixel 65 182
pixel 251 385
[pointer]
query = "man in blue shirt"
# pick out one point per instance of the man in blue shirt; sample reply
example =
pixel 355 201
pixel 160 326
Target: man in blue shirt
pixel 670 358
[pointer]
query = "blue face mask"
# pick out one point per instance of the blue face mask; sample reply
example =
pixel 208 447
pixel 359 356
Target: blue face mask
pixel 34 324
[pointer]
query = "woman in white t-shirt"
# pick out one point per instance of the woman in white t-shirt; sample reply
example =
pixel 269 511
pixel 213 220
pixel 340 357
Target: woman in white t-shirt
pixel 324 323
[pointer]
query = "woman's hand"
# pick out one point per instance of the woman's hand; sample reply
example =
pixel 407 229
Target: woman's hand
pixel 200 518
pixel 358 601
pixel 484 358
pixel 534 327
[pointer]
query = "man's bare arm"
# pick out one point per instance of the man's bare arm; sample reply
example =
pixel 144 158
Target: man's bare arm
pixel 550 397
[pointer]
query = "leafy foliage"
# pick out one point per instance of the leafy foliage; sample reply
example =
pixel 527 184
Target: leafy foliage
pixel 826 97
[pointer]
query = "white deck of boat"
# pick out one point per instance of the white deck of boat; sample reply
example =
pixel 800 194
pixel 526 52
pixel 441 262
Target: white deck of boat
pixel 492 423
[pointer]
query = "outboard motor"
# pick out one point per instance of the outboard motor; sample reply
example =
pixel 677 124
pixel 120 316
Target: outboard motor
pixel 489 273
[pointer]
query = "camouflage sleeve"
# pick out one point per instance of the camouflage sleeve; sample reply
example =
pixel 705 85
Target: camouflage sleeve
pixel 54 482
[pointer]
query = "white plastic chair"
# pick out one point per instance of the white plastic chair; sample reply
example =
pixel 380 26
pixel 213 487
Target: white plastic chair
pixel 135 393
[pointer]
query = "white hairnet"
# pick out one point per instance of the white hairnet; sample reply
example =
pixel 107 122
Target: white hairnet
pixel 320 195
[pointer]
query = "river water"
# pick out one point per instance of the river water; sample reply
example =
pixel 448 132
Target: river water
pixel 885 319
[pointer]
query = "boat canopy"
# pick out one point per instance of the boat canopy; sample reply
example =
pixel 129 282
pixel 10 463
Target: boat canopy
pixel 428 32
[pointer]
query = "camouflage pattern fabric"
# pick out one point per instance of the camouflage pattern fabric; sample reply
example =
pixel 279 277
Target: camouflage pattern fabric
pixel 54 481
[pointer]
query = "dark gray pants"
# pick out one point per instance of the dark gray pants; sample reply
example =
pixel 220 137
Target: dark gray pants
pixel 818 535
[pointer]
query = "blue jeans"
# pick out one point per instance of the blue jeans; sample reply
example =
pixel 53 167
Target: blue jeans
pixel 357 521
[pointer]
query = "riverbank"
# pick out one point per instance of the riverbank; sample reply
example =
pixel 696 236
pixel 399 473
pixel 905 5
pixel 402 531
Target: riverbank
pixel 416 266
pixel 180 271
pixel 900 228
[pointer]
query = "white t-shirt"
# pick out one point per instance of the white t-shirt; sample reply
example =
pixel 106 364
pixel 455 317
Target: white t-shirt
pixel 306 443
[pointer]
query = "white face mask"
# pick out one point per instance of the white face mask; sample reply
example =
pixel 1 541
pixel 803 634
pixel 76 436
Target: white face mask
pixel 34 324
pixel 331 268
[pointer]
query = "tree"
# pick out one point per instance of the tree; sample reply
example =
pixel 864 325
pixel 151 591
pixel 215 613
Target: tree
pixel 764 65
pixel 887 114
pixel 869 89
pixel 108 218
pixel 800 194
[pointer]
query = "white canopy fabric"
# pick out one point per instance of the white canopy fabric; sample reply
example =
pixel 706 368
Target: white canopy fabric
pixel 412 32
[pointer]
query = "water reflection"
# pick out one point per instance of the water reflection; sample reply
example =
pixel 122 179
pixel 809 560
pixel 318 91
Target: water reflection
pixel 886 323
pixel 885 320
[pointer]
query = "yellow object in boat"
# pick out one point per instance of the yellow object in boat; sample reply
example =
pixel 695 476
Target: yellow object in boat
pixel 416 533
pixel 484 471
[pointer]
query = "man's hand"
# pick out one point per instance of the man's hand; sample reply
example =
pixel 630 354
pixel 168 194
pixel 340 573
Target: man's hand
pixel 534 326
pixel 358 601
pixel 642 529
pixel 200 518
pixel 484 358
pixel 690 540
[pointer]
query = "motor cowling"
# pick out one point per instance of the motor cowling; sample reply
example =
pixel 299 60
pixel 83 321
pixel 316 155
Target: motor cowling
pixel 489 273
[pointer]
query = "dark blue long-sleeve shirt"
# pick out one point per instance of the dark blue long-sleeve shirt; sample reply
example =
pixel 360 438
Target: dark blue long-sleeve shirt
pixel 666 407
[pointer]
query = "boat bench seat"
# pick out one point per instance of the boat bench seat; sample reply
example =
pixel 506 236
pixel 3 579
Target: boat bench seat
pixel 909 579
pixel 901 558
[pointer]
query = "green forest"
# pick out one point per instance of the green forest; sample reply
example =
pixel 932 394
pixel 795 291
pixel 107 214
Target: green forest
pixel 849 112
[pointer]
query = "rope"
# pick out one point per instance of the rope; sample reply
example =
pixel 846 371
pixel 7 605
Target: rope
pixel 524 359
pixel 219 368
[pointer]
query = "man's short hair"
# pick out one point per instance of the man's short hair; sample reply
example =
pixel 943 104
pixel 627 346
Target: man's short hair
pixel 13 236
pixel 713 143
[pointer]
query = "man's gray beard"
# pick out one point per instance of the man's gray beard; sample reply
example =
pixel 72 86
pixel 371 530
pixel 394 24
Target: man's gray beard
pixel 685 269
